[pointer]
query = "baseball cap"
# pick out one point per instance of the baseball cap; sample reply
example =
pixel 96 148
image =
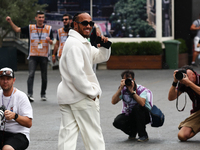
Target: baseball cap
pixel 7 72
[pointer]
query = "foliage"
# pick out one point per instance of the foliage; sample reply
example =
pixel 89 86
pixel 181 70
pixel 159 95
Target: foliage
pixel 182 47
pixel 22 12
pixel 129 19
pixel 122 48
pixel 150 48
pixel 135 48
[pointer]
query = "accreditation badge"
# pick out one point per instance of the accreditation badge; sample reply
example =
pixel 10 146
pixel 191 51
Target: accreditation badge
pixel 39 45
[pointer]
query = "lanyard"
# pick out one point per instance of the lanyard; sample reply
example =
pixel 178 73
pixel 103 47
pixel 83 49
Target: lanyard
pixel 9 99
pixel 39 35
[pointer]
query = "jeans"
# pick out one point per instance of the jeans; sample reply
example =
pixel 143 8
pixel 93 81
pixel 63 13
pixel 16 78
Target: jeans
pixel 33 62
pixel 133 123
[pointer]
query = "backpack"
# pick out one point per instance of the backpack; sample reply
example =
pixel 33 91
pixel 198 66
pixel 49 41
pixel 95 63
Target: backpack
pixel 157 116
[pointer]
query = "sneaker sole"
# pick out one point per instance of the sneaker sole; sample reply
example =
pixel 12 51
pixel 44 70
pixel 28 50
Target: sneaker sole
pixel 143 140
pixel 43 99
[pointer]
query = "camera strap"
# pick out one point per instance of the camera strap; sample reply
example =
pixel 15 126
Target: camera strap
pixel 177 102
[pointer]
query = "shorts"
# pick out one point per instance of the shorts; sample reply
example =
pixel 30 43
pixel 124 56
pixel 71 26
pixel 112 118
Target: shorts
pixel 196 41
pixel 17 140
pixel 193 122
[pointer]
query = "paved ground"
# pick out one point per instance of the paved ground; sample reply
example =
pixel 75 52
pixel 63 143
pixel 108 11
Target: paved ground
pixel 44 132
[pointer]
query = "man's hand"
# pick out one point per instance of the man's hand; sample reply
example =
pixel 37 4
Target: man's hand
pixel 103 39
pixel 9 115
pixel 48 39
pixel 122 83
pixel 8 19
pixel 175 80
pixel 185 80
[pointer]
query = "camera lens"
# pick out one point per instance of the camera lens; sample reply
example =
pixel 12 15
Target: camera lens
pixel 128 82
pixel 179 75
pixel 1 114
pixel 2 109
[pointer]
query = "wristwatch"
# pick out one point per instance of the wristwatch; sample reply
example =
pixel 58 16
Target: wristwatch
pixel 134 92
pixel 16 116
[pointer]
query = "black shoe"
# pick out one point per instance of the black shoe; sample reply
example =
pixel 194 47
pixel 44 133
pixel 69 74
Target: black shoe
pixel 194 65
pixel 43 98
pixel 143 139
pixel 132 137
pixel 30 97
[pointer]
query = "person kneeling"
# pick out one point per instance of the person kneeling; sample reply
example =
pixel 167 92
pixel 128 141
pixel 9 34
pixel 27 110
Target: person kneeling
pixel 135 115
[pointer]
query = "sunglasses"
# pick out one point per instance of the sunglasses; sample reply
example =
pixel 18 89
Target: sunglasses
pixel 65 19
pixel 6 73
pixel 85 23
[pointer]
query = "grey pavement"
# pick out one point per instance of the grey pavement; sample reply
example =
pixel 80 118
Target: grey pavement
pixel 46 122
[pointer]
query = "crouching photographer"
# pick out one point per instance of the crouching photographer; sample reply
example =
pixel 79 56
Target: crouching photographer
pixel 15 114
pixel 187 80
pixel 135 115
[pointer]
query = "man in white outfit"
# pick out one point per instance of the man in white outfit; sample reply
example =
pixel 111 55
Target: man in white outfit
pixel 79 91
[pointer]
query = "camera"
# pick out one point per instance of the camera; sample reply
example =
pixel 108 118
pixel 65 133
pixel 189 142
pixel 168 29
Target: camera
pixel 128 82
pixel 2 109
pixel 180 74
pixel 106 45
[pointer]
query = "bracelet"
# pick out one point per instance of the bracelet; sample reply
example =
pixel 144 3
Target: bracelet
pixel 174 84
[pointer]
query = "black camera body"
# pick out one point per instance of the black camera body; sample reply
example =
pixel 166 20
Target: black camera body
pixel 106 45
pixel 128 82
pixel 180 74
pixel 2 109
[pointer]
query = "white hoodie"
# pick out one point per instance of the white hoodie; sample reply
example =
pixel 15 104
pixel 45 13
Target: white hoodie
pixel 78 78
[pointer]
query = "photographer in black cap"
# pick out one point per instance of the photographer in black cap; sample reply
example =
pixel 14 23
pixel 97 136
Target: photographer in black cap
pixel 17 118
pixel 135 115
pixel 190 84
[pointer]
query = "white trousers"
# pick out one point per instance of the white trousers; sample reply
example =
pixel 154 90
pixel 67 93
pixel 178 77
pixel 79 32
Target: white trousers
pixel 83 116
pixel 196 41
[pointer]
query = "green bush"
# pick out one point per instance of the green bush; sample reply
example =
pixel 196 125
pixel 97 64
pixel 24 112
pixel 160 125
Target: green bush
pixel 182 47
pixel 135 48
pixel 122 48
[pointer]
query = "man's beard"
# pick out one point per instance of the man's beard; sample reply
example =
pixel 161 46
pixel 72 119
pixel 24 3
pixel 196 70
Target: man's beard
pixel 66 28
pixel 81 32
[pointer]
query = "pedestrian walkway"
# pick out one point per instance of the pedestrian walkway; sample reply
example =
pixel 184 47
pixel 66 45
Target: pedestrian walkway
pixel 46 122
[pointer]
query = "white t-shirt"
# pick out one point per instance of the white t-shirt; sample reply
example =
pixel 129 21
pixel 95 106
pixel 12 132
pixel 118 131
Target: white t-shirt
pixel 19 103
pixel 197 24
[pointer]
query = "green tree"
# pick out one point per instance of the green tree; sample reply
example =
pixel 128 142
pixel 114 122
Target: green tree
pixel 129 19
pixel 22 13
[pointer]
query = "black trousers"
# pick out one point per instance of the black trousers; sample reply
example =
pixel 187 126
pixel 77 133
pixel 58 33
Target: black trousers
pixel 33 62
pixel 133 123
